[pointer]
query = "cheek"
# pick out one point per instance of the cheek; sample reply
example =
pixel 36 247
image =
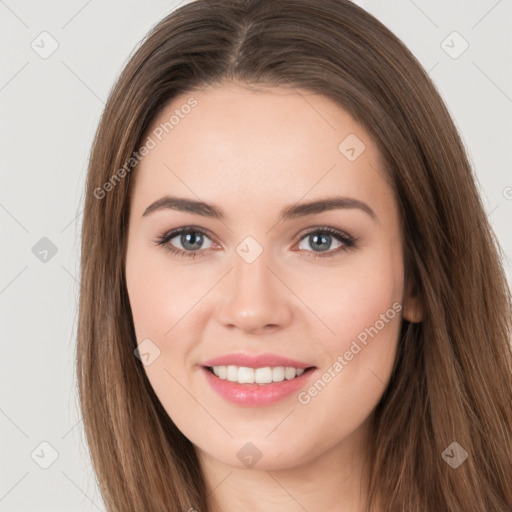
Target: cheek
pixel 361 305
pixel 158 300
pixel 159 304
pixel 358 296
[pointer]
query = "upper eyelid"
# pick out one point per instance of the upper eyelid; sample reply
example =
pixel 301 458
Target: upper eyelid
pixel 172 233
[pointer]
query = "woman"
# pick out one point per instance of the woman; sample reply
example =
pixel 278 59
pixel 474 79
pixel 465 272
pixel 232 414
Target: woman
pixel 226 357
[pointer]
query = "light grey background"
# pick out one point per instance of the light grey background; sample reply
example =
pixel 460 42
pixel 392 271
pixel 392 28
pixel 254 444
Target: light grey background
pixel 50 108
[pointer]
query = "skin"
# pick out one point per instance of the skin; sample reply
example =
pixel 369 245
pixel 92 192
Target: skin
pixel 252 153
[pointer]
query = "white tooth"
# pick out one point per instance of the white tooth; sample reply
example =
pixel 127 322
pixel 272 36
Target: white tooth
pixel 263 375
pixel 245 375
pixel 266 375
pixel 232 373
pixel 289 372
pixel 278 373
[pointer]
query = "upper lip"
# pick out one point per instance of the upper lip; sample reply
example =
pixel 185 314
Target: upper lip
pixel 255 361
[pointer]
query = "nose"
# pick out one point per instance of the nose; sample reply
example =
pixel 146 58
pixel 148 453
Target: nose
pixel 254 297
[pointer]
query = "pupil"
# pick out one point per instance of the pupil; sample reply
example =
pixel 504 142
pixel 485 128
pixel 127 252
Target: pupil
pixel 324 238
pixel 187 237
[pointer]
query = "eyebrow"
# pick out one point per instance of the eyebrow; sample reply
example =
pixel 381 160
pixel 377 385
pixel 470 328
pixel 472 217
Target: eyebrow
pixel 290 212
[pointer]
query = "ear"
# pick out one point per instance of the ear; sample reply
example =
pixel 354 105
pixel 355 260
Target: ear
pixel 413 307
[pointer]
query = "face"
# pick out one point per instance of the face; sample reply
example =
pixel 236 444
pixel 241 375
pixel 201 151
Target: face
pixel 257 282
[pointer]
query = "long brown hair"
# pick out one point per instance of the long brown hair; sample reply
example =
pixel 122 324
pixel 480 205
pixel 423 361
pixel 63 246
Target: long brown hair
pixel 452 377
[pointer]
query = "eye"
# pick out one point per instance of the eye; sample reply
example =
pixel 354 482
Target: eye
pixel 321 238
pixel 190 238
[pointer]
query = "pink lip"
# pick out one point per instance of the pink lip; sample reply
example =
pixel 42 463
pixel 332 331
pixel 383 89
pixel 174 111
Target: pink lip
pixel 253 395
pixel 258 361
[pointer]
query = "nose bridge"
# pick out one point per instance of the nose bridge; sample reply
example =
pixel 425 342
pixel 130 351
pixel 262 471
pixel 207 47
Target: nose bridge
pixel 254 297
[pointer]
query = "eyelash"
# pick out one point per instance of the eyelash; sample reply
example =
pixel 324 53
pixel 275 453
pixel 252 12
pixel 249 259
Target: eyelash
pixel 349 242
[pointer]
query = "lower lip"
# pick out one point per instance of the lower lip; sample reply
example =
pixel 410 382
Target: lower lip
pixel 253 395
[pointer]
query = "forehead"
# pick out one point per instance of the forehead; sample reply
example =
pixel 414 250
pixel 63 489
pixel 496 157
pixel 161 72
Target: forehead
pixel 263 146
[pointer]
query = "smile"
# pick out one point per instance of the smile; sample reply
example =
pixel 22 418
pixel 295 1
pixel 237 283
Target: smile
pixel 256 387
pixel 266 375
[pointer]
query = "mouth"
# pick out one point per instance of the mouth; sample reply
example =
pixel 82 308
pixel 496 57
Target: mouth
pixel 251 380
pixel 258 386
pixel 261 376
